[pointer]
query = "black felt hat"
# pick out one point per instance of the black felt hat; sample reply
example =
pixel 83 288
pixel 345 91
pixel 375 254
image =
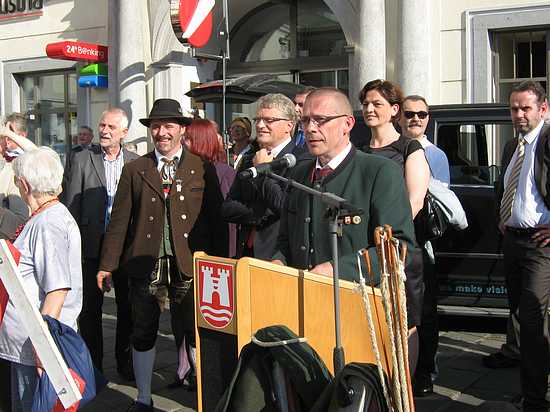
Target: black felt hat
pixel 166 109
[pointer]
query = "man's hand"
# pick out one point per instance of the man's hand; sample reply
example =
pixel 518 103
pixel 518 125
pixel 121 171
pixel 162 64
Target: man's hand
pixel 104 280
pixel 324 269
pixel 501 228
pixel 278 262
pixel 542 236
pixel 262 156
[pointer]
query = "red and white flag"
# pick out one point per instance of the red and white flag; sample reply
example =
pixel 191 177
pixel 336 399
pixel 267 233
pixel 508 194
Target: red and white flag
pixel 4 297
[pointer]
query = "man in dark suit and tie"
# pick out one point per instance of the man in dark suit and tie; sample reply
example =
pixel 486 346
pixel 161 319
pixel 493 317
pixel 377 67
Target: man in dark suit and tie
pixel 89 194
pixel 255 205
pixel 523 198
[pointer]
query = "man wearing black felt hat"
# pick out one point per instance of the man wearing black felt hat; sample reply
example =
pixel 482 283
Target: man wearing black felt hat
pixel 167 206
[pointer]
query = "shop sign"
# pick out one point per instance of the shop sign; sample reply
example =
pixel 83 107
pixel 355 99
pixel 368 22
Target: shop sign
pixel 71 50
pixel 97 69
pixel 97 81
pixel 192 21
pixel 13 9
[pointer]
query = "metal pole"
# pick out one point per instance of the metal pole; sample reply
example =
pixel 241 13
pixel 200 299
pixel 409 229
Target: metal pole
pixel 226 19
pixel 224 125
pixel 88 106
pixel 225 57
pixel 338 353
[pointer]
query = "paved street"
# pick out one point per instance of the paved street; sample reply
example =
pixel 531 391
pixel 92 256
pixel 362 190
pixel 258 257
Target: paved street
pixel 462 385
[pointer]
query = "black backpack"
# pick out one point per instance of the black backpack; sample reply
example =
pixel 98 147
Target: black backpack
pixel 356 388
pixel 274 376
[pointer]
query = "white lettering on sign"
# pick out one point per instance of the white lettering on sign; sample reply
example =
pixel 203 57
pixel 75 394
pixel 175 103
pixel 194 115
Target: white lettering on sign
pixel 84 51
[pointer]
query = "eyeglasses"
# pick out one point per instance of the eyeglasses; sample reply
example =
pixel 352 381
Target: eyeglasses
pixel 421 114
pixel 319 121
pixel 268 120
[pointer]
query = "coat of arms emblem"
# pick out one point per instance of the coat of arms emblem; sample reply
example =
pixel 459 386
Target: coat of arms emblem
pixel 216 301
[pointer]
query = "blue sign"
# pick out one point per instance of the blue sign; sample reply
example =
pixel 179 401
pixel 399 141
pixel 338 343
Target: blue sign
pixel 93 81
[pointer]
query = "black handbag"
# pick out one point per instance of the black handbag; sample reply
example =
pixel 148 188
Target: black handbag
pixel 431 222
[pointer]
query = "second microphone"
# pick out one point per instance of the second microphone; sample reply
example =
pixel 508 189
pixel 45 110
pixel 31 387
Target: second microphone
pixel 286 162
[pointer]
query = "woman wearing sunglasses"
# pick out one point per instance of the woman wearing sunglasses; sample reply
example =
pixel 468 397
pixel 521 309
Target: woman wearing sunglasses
pixel 382 100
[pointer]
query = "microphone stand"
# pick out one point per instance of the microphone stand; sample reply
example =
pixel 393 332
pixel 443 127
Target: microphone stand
pixel 339 212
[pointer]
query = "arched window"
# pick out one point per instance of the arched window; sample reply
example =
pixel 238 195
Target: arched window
pixel 299 40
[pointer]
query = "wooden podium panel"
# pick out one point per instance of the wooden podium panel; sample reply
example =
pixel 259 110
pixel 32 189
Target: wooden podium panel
pixel 304 302
pixel 264 294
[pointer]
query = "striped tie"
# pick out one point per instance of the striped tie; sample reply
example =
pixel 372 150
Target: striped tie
pixel 507 201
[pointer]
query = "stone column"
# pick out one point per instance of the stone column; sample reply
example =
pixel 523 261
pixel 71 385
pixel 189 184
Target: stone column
pixel 113 52
pixel 413 47
pixel 369 55
pixel 130 59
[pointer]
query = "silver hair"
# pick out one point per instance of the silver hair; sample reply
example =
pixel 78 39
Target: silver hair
pixel 18 121
pixel 124 122
pixel 42 169
pixel 280 102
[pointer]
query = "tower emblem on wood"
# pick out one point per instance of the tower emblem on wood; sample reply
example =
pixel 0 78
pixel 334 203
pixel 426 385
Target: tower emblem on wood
pixel 216 301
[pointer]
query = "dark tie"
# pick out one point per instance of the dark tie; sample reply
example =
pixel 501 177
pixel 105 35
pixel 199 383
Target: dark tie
pixel 9 158
pixel 320 173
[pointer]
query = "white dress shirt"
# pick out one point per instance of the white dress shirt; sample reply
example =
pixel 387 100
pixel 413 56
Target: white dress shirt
pixel 161 156
pixel 277 149
pixel 336 160
pixel 528 209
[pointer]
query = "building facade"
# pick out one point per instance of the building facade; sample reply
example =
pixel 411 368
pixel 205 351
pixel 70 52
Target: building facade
pixel 449 51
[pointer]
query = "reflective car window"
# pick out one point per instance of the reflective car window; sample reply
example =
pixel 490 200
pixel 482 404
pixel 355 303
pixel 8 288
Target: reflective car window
pixel 474 150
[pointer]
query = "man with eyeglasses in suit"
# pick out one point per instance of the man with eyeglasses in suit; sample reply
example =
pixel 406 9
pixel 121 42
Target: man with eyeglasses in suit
pixel 255 205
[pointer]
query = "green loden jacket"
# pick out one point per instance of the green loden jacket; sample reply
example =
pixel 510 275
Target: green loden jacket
pixel 372 183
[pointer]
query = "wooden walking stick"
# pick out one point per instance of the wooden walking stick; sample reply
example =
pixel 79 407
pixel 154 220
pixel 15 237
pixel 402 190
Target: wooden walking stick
pixel 380 240
pixel 372 329
pixel 399 251
pixel 397 316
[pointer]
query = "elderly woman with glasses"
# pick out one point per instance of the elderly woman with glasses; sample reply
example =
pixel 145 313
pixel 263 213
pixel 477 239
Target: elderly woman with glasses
pixel 50 266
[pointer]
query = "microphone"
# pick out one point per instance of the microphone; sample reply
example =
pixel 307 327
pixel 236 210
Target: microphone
pixel 286 162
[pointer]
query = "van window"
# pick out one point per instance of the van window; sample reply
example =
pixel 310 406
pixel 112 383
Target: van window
pixel 474 150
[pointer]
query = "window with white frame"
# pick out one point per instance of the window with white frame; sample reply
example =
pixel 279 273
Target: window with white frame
pixel 519 55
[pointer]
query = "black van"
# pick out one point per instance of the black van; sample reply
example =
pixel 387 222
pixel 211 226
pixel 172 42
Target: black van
pixel 469 263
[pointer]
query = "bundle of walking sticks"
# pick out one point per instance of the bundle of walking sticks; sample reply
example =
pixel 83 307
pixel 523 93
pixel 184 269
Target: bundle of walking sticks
pixel 391 261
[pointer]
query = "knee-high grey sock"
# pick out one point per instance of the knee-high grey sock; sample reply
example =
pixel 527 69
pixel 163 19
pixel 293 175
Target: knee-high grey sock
pixel 143 369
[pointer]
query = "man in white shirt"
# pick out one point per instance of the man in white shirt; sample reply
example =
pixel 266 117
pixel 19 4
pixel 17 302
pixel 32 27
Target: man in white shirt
pixel 523 199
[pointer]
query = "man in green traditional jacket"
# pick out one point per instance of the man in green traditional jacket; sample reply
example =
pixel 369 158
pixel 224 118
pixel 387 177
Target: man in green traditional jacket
pixel 369 182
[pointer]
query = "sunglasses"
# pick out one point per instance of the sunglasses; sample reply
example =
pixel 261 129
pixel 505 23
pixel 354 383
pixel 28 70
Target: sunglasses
pixel 421 115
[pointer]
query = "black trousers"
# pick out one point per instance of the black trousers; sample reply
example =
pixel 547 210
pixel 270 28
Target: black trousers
pixel 528 282
pixel 5 384
pixel 90 320
pixel 428 331
pixel 146 298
